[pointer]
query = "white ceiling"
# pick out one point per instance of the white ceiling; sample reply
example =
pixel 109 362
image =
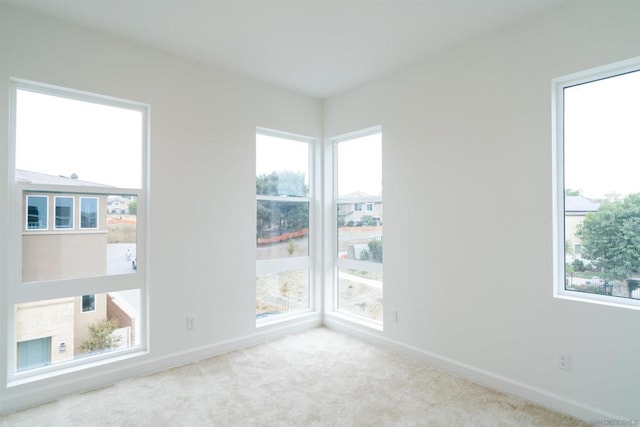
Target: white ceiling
pixel 318 48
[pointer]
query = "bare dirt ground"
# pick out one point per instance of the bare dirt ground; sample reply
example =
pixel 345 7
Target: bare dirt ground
pixel 282 292
pixel 360 292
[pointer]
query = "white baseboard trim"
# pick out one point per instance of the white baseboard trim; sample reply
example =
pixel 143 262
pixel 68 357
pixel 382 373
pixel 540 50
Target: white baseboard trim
pixel 494 381
pixel 38 392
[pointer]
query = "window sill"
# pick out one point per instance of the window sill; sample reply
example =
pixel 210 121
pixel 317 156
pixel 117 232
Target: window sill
pixel 617 302
pixel 53 371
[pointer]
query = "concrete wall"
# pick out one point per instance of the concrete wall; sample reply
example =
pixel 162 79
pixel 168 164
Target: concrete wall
pixel 82 321
pixel 47 319
pixel 467 145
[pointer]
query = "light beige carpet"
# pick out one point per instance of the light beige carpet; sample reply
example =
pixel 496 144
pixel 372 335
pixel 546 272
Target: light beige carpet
pixel 318 378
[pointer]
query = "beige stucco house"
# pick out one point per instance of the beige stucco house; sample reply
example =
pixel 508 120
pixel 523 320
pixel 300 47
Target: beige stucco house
pixel 64 236
pixel 575 210
pixel 353 212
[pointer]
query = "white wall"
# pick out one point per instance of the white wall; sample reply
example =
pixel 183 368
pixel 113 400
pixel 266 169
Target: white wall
pixel 467 193
pixel 203 126
pixel 467 181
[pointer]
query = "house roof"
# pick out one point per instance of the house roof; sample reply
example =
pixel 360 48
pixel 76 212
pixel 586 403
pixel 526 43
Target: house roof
pixel 41 178
pixel 580 204
pixel 356 195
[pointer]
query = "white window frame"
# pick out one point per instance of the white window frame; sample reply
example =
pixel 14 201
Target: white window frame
pixel 557 93
pixel 296 263
pixel 349 264
pixel 26 218
pixel 73 212
pixel 97 212
pixel 82 310
pixel 19 292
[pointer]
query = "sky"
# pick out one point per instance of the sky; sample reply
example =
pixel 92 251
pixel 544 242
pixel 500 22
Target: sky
pixel 61 136
pixel 104 144
pixel 280 154
pixel 602 136
pixel 359 161
pixel 360 165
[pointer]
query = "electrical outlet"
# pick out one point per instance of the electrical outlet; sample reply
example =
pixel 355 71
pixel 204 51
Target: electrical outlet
pixel 191 322
pixel 394 316
pixel 564 360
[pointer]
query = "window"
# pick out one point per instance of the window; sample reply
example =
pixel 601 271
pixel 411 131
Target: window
pixel 89 212
pixel 283 218
pixel 597 184
pixel 76 154
pixel 88 303
pixel 37 210
pixel 358 172
pixel 64 212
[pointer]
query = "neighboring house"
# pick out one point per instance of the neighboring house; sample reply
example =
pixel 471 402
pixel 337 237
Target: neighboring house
pixel 575 210
pixel 118 205
pixel 352 212
pixel 64 235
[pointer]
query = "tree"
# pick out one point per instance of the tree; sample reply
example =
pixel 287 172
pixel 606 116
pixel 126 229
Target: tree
pixel 611 239
pixel 373 252
pixel 133 207
pixel 282 183
pixel 281 217
pixel 100 336
pixel 570 192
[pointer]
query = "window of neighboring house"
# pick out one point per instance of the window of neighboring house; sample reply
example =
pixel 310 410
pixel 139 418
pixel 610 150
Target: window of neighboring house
pixel 597 184
pixel 88 212
pixel 34 353
pixel 88 303
pixel 369 207
pixel 37 212
pixel 358 176
pixel 283 218
pixel 76 149
pixel 64 212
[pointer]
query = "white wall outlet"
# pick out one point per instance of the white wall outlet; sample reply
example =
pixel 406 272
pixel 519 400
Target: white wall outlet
pixel 394 315
pixel 564 360
pixel 191 322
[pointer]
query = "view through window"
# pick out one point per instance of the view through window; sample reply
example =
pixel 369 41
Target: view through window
pixel 601 188
pixel 283 211
pixel 79 168
pixel 359 225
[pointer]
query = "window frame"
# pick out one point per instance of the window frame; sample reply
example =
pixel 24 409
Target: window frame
pixel 558 85
pixel 46 222
pixel 93 296
pixel 71 227
pixel 21 292
pixel 97 201
pixel 278 265
pixel 349 264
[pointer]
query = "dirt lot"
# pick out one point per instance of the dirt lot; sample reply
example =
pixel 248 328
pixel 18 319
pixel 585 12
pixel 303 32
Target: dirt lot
pixel 121 228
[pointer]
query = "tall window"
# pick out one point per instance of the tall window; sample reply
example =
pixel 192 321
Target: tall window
pixel 283 213
pixel 75 295
pixel 37 212
pixel 88 212
pixel 597 147
pixel 64 212
pixel 358 159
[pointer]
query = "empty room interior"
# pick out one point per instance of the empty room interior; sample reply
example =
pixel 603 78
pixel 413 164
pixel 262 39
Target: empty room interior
pixel 445 182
